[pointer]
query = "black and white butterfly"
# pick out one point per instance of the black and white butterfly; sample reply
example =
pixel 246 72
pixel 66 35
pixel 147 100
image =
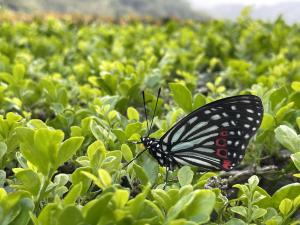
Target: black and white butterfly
pixel 213 137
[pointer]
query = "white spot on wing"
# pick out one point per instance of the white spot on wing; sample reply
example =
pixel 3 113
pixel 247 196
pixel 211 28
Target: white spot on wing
pixel 216 117
pixel 207 112
pixel 225 124
pixel 233 107
pixel 225 114
pixel 250 110
pixel 246 125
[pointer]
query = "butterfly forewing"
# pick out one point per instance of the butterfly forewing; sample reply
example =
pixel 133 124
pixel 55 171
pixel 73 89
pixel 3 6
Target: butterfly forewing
pixel 216 135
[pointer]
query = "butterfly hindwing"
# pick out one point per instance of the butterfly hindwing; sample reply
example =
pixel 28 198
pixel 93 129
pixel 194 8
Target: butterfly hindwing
pixel 216 135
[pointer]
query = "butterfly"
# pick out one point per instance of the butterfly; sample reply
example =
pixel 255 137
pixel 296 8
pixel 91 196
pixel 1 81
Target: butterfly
pixel 212 137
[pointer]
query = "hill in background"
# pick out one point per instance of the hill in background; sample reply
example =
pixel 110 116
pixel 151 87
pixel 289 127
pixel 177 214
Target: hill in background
pixel 109 8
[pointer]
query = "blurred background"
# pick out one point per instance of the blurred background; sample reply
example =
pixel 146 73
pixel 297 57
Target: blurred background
pixel 183 9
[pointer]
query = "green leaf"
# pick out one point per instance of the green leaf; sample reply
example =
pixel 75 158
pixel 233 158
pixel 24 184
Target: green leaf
pixel 96 154
pixel 3 150
pixel 241 210
pixel 112 162
pixel 258 213
pixel 29 179
pixel 296 202
pixel 285 206
pixel 97 130
pixel 253 182
pixel 25 205
pixel 288 138
pixel 298 122
pixel 275 220
pixel 185 175
pixel 290 191
pixel 140 173
pixel 133 114
pixel 97 209
pixel 283 111
pixel 201 206
pixel 179 206
pixel 199 100
pixel 133 128
pixel 268 122
pixel 18 72
pixel 104 178
pixel 126 152
pixel 121 197
pixel 296 159
pixel 68 149
pixel 35 155
pixel 296 86
pixel 70 215
pixel 182 96
pixel 235 221
pixel 46 215
pixel 73 194
pixel 162 198
pixel 2 178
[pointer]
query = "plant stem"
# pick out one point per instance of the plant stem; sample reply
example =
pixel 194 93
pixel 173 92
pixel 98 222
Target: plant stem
pixel 41 194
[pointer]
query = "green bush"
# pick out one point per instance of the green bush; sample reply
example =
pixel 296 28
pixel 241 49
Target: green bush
pixel 70 103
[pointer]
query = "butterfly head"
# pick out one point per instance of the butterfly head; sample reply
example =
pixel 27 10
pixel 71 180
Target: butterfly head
pixel 148 142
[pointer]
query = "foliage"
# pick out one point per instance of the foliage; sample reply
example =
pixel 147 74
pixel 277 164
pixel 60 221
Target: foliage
pixel 70 104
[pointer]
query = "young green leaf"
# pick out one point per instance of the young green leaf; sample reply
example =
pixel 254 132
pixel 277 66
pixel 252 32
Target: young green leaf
pixel 285 206
pixel 241 210
pixel 296 159
pixel 182 96
pixel 126 152
pixel 288 138
pixel 68 149
pixel 185 175
pixel 133 114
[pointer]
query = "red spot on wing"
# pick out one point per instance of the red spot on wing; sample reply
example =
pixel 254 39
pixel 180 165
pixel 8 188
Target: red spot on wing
pixel 221 149
pixel 226 164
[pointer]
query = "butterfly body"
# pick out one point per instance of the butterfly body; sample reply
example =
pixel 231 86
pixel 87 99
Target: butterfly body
pixel 213 137
pixel 155 149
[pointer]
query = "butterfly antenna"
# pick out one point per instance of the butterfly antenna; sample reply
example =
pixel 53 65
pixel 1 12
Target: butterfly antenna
pixel 145 111
pixel 154 111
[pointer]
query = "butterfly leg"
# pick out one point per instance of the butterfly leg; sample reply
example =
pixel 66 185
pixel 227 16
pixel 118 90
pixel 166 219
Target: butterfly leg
pixel 166 178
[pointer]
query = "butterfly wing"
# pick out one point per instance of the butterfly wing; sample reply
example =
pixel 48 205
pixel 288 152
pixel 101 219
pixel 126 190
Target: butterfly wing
pixel 216 135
